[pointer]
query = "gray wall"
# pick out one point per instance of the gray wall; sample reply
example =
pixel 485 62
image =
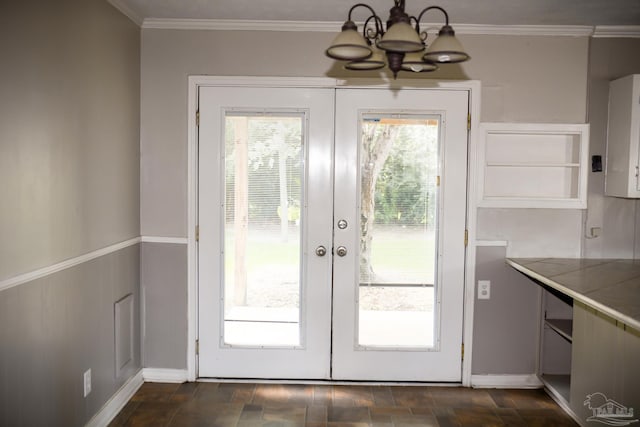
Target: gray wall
pixel 516 86
pixel 556 233
pixel 69 168
pixel 164 272
pixel 506 326
pixel 69 130
pixel 524 79
pixel 55 328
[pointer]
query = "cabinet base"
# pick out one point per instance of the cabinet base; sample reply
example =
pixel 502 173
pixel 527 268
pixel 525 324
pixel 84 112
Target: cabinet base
pixel 557 387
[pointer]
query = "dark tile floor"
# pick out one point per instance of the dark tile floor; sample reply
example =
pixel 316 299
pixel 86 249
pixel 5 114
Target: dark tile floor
pixel 275 405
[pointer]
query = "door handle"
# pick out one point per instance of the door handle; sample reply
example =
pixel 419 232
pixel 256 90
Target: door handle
pixel 341 251
pixel 321 251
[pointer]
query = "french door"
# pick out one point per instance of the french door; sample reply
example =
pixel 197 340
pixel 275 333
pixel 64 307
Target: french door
pixel 331 233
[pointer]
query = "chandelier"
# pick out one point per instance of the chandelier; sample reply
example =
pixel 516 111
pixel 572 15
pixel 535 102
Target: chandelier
pixel 403 43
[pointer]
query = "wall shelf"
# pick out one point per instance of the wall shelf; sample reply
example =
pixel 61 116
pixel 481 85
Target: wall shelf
pixel 533 165
pixel 556 345
pixel 558 384
pixel 562 326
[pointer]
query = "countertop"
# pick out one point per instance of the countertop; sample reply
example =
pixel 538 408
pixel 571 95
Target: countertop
pixel 611 286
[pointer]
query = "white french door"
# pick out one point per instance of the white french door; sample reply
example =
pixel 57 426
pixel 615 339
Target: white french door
pixel 264 299
pixel 397 314
pixel 331 245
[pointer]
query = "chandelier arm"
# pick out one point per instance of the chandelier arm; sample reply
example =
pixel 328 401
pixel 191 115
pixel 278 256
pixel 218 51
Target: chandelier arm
pixel 379 32
pixel 379 25
pixel 446 16
pixel 416 22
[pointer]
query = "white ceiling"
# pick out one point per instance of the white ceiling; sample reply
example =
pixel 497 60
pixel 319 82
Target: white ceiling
pixel 483 12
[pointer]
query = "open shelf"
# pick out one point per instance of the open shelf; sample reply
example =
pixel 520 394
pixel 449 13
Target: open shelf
pixel 556 345
pixel 562 326
pixel 533 165
pixel 558 384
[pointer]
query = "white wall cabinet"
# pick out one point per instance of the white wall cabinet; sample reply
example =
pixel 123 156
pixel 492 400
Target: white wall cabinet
pixel 623 138
pixel 533 165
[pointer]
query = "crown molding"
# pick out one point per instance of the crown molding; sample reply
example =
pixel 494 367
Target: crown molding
pixel 240 25
pixel 628 31
pixel 123 7
pixel 525 30
pixel 334 27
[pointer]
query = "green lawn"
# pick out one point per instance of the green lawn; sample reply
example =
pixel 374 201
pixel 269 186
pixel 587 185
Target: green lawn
pixel 397 253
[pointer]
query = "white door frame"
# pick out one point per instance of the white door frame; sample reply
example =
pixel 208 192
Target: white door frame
pixel 195 82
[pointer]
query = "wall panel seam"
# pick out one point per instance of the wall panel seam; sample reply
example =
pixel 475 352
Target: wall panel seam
pixel 72 262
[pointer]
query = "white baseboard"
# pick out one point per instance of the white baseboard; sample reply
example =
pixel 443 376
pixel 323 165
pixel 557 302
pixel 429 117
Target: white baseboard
pixel 114 405
pixel 506 381
pixel 153 375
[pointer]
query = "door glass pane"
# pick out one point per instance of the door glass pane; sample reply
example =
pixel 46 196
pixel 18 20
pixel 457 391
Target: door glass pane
pixel 398 224
pixel 264 182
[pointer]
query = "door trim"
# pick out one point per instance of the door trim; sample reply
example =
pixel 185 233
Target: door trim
pixel 195 82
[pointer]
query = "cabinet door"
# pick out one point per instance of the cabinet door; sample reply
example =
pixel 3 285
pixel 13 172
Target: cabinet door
pixel 604 365
pixel 623 138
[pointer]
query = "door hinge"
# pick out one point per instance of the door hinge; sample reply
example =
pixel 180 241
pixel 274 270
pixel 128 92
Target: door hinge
pixel 197 233
pixel 468 121
pixel 197 347
pixel 198 118
pixel 462 351
pixel 438 181
pixel 466 238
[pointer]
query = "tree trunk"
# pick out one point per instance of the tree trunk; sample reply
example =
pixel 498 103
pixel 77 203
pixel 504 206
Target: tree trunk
pixel 376 147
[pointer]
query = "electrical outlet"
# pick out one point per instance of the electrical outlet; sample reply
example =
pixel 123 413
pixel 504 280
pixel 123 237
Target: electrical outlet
pixel 484 289
pixel 87 382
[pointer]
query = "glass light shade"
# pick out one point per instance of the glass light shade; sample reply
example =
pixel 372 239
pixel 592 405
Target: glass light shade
pixel 374 62
pixel 413 62
pixel 446 48
pixel 349 45
pixel 401 37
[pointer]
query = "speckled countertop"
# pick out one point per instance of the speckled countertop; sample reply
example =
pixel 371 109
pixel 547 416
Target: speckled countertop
pixel 611 286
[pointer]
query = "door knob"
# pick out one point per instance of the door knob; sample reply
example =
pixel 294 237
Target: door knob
pixel 341 251
pixel 342 224
pixel 321 251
